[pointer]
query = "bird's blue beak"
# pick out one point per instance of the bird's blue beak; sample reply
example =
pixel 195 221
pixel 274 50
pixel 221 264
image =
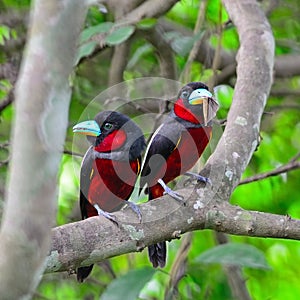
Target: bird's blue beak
pixel 197 96
pixel 90 128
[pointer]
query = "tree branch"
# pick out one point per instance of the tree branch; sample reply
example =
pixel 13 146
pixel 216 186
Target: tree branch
pixel 291 165
pixel 287 65
pixel 148 9
pixel 118 63
pixel 164 52
pixel 96 238
pixel 120 52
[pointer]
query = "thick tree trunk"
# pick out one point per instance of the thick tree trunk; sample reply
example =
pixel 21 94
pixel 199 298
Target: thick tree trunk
pixel 42 101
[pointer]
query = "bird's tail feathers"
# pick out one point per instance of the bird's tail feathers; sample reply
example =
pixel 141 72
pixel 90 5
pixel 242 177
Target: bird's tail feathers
pixel 83 273
pixel 157 254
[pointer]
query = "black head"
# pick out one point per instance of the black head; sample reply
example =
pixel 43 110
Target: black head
pixel 195 103
pixel 110 121
pixel 187 90
pixel 196 85
pixel 110 131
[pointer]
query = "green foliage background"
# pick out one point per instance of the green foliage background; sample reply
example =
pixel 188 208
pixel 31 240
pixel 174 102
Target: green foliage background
pixel 277 277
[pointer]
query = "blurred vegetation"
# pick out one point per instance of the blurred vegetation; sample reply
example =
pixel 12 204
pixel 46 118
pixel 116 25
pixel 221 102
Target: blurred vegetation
pixel 277 277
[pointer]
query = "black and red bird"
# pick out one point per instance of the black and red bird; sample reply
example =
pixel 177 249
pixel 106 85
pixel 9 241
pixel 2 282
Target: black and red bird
pixel 176 146
pixel 109 168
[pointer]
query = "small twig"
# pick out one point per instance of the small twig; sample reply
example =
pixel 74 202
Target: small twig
pixel 269 113
pixel 291 165
pixel 121 52
pixel 296 157
pixel 118 63
pixel 225 75
pixel 4 145
pixel 164 52
pixel 282 92
pixel 147 9
pixel 68 152
pixel 4 162
pixel 285 106
pixel 184 76
pixel 216 59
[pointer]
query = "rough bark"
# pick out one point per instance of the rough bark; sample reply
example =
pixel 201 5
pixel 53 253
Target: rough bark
pixel 96 239
pixel 42 101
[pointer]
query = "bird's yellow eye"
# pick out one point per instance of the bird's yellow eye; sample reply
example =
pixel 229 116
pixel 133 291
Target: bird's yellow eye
pixel 108 126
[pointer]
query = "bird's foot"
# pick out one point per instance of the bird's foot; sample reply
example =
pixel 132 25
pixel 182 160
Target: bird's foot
pixel 170 192
pixel 198 177
pixel 106 214
pixel 135 208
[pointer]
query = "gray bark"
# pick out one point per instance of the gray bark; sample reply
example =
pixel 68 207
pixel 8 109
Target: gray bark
pixel 42 101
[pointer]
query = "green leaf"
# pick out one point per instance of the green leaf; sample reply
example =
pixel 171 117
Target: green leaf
pixel 237 254
pixel 182 45
pixel 87 33
pixel 138 54
pixel 4 34
pixel 146 23
pixel 129 285
pixel 85 50
pixel 119 35
pixel 224 95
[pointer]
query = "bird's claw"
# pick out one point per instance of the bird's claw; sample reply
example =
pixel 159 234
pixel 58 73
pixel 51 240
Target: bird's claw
pixel 135 208
pixel 106 215
pixel 198 177
pixel 170 192
pixel 174 195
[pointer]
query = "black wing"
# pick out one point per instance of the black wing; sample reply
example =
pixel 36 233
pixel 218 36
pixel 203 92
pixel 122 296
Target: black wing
pixel 162 144
pixel 85 181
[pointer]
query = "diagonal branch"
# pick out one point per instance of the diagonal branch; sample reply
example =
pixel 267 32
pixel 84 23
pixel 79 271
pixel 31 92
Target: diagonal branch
pixel 291 165
pixel 164 52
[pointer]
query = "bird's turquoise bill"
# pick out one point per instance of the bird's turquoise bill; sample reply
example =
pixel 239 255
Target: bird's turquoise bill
pixel 87 128
pixel 201 96
pixel 197 96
